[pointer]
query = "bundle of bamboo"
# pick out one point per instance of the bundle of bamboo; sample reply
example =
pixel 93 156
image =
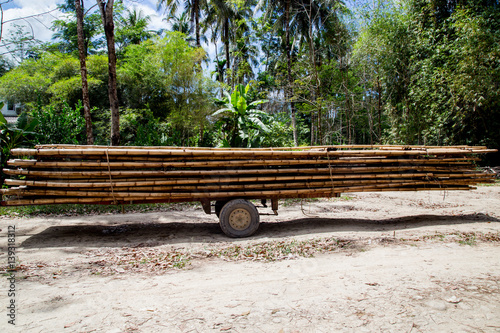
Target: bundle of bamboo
pixel 100 174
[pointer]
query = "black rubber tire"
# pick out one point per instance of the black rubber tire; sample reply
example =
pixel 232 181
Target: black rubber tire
pixel 239 211
pixel 218 206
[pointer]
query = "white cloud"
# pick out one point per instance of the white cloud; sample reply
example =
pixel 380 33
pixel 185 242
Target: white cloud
pixel 148 8
pixel 39 16
pixel 36 16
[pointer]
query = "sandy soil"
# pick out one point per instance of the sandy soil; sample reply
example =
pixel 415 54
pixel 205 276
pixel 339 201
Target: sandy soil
pixel 375 262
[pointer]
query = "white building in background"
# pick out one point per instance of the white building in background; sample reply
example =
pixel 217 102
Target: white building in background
pixel 11 111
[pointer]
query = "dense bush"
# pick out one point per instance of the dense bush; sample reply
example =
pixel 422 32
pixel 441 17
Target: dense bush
pixel 65 125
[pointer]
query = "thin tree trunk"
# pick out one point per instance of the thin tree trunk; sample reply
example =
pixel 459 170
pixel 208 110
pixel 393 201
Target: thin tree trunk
pixel 289 71
pixel 196 8
pixel 317 80
pixel 379 109
pixel 83 71
pixel 109 30
pixel 226 44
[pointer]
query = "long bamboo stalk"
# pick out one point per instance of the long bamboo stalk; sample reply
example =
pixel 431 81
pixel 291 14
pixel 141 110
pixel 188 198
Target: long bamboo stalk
pixel 226 164
pixel 162 190
pixel 66 146
pixel 242 153
pixel 108 200
pixel 199 173
pixel 480 177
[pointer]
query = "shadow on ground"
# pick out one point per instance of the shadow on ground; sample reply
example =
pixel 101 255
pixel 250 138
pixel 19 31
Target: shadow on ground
pixel 156 234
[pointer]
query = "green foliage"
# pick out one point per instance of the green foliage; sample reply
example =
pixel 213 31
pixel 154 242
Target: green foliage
pixel 243 123
pixel 164 75
pixel 65 31
pixel 433 67
pixel 54 78
pixel 140 128
pixel 409 72
pixel 132 28
pixel 13 137
pixel 279 132
pixel 65 125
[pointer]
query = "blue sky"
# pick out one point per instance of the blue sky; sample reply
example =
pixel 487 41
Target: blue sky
pixel 39 25
pixel 39 15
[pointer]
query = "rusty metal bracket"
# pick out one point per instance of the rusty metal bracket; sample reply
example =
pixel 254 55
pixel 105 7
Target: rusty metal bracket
pixel 274 205
pixel 205 203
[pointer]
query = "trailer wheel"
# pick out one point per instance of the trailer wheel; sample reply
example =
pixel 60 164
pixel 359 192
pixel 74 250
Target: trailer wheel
pixel 239 218
pixel 218 206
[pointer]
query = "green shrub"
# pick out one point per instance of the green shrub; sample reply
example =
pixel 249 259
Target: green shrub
pixel 65 126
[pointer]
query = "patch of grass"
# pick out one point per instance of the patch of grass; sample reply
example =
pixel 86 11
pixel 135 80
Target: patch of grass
pixel 138 260
pixel 296 201
pixel 344 198
pixel 79 209
pixel 467 238
pixel 464 238
pixel 279 250
pixel 151 260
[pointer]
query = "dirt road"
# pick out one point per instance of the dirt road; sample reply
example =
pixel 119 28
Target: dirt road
pixel 379 262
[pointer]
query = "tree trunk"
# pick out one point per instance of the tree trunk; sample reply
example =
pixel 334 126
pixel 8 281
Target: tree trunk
pixel 226 44
pixel 317 81
pixel 379 109
pixel 289 71
pixel 109 30
pixel 196 8
pixel 83 71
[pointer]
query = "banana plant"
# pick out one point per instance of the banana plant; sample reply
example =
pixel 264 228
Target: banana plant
pixel 243 120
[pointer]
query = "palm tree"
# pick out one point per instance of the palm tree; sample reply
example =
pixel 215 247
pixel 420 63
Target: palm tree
pixel 219 16
pixel 132 28
pixel 317 24
pixel 286 8
pixel 181 24
pixel 302 19
pixel 228 22
pixel 193 7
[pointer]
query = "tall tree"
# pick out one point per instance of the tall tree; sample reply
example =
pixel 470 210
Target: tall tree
pixel 229 21
pixel 106 8
pixel 286 10
pixel 83 70
pixel 193 7
pixel 66 30
pixel 132 28
pixel 219 16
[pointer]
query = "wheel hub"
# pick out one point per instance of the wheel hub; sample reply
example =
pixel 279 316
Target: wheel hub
pixel 240 219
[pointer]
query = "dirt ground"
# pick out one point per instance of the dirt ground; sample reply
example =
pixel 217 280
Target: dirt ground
pixel 374 262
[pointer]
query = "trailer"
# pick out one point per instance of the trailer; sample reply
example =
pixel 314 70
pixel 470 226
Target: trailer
pixel 225 180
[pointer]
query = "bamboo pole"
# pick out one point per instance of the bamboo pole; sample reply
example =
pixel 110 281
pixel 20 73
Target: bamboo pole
pixel 108 200
pixel 163 190
pixel 200 173
pixel 66 146
pixel 241 153
pixel 159 181
pixel 226 164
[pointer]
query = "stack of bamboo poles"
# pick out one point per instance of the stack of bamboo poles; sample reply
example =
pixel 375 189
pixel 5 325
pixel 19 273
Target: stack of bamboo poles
pixel 100 174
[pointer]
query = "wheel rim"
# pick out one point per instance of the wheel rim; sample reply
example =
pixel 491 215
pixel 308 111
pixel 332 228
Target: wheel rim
pixel 240 219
